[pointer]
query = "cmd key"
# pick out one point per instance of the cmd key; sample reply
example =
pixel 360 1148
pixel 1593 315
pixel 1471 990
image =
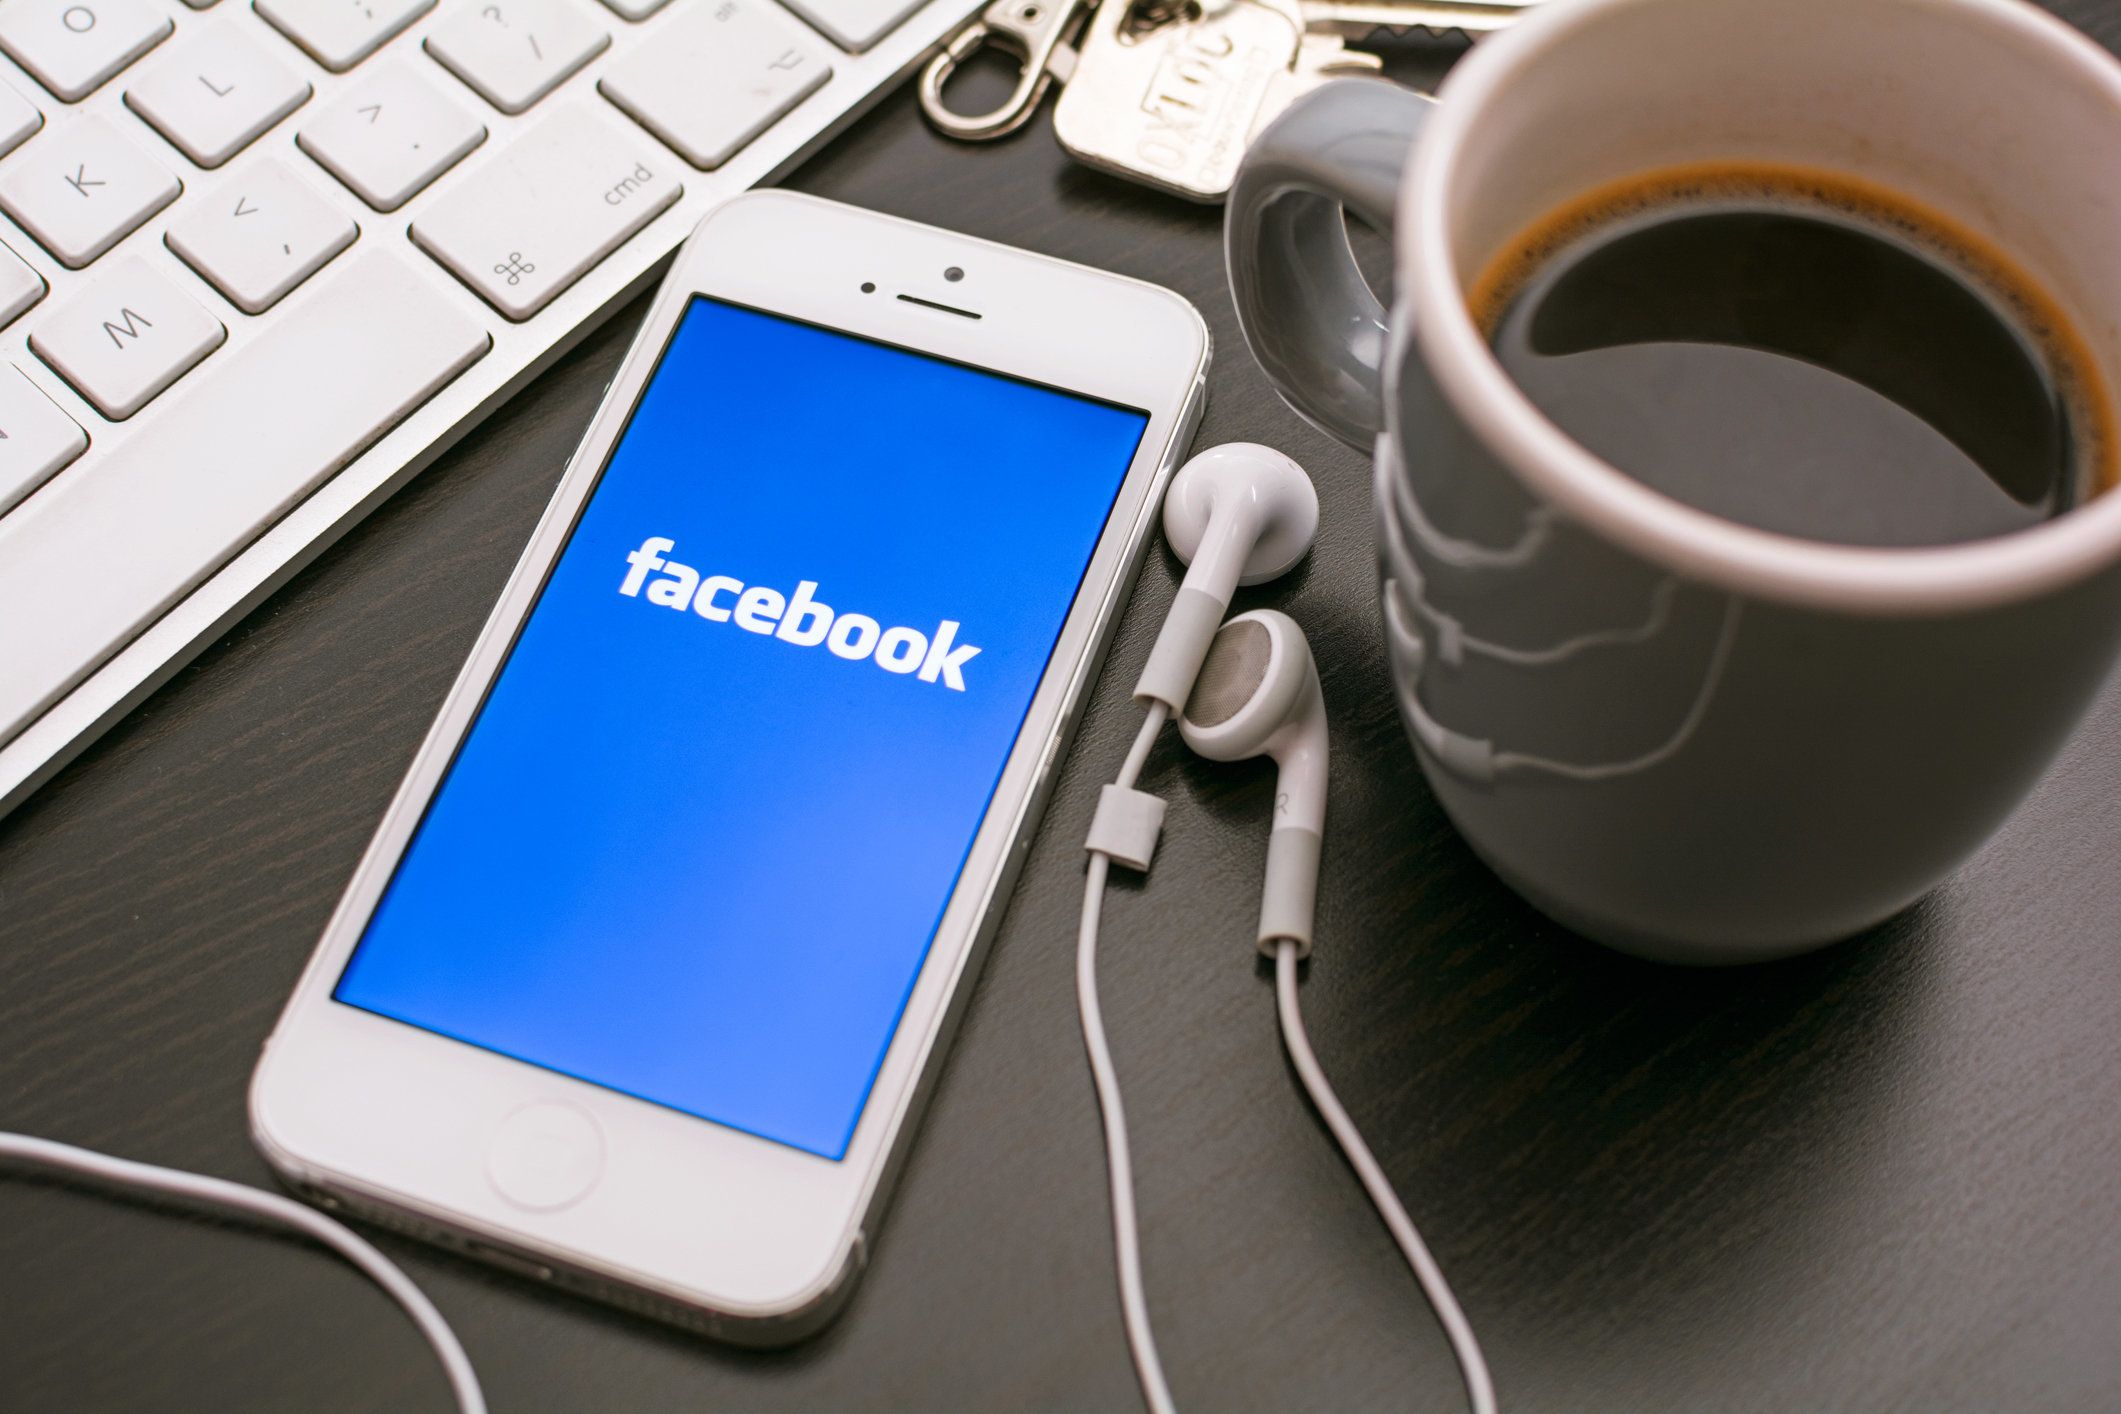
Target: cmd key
pixel 539 214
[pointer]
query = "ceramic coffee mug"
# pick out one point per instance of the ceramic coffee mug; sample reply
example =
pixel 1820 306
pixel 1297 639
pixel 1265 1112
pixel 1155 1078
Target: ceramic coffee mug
pixel 1684 737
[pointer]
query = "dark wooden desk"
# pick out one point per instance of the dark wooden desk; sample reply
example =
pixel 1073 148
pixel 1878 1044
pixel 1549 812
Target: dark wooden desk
pixel 1887 1176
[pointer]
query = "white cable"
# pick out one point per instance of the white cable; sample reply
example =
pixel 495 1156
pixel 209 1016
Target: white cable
pixel 220 1193
pixel 1153 721
pixel 1126 1238
pixel 1480 1386
pixel 1126 1235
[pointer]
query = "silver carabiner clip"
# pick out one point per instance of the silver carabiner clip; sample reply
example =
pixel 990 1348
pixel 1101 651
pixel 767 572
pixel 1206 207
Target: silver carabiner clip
pixel 1038 32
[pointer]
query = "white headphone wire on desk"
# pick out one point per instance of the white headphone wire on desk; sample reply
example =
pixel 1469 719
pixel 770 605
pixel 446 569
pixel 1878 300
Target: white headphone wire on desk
pixel 1119 1164
pixel 1126 1236
pixel 272 1208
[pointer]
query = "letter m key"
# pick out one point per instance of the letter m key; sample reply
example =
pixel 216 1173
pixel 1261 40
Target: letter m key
pixel 134 322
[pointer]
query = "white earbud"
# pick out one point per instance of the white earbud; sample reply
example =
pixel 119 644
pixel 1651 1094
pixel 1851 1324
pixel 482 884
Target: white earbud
pixel 1258 695
pixel 1236 514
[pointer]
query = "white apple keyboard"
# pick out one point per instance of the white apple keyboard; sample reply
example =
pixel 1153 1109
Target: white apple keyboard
pixel 262 260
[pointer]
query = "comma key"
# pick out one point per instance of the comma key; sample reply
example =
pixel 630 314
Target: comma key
pixel 542 212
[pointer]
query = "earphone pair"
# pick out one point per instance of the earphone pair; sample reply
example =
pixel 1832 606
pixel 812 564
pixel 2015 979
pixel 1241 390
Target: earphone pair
pixel 1243 514
pixel 1238 514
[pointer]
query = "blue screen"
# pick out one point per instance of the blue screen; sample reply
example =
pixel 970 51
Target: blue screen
pixel 701 832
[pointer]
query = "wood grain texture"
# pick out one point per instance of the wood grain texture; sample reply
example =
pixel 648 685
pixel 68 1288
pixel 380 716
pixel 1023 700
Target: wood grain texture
pixel 1883 1177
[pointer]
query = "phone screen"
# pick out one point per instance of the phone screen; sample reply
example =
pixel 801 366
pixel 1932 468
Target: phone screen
pixel 700 834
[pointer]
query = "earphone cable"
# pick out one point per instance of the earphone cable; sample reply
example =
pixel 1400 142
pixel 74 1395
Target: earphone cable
pixel 1473 1366
pixel 1119 1164
pixel 1126 1233
pixel 272 1208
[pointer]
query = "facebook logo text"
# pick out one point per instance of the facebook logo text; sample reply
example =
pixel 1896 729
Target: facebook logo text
pixel 797 618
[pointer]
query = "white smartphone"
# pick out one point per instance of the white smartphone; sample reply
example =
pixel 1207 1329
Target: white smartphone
pixel 645 976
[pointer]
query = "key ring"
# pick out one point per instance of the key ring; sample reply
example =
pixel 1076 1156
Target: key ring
pixel 1037 32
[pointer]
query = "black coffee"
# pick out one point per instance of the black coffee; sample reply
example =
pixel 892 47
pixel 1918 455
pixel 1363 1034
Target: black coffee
pixel 1801 353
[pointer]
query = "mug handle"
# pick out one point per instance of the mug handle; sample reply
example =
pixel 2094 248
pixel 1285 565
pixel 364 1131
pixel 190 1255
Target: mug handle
pixel 1304 307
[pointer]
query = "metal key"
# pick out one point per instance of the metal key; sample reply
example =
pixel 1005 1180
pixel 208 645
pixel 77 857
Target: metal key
pixel 1041 34
pixel 1175 105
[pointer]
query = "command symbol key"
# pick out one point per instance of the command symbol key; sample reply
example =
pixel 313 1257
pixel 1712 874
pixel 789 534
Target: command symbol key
pixel 542 212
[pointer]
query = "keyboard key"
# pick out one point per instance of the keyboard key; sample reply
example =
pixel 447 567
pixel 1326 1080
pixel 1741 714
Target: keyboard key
pixel 341 33
pixel 536 217
pixel 635 9
pixel 260 235
pixel 215 92
pixel 18 119
pixel 105 550
pixel 854 25
pixel 391 136
pixel 20 287
pixel 710 80
pixel 72 46
pixel 125 337
pixel 36 439
pixel 83 188
pixel 517 51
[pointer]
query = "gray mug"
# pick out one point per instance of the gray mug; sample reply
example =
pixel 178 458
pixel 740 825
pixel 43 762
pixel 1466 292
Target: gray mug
pixel 1681 736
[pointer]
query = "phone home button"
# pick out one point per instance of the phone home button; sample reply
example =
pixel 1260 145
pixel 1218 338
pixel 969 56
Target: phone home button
pixel 545 1155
